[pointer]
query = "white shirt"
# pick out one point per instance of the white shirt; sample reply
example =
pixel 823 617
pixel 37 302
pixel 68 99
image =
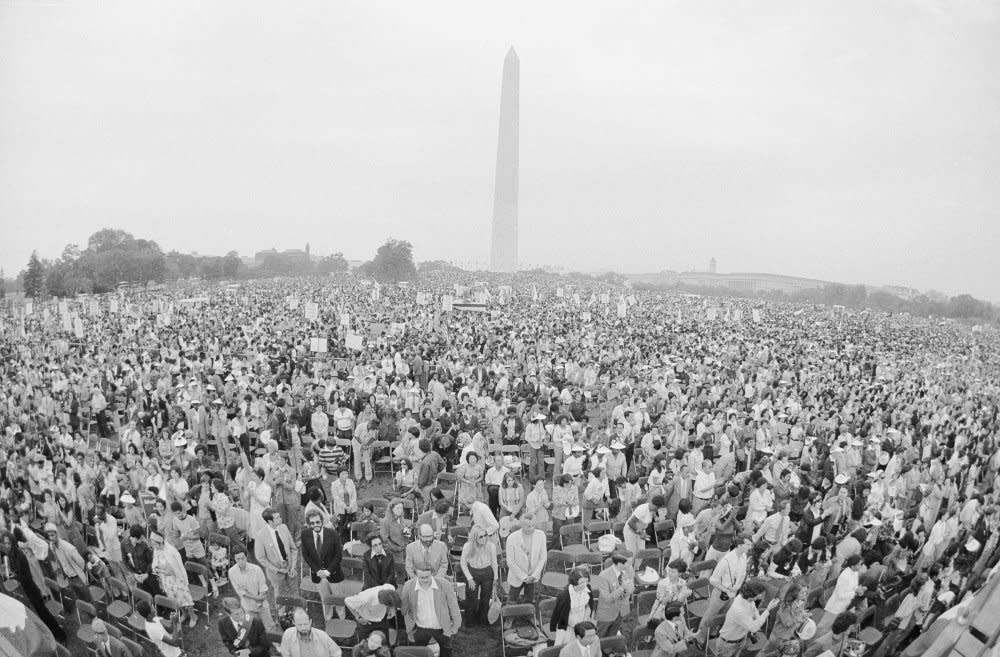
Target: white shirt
pixel 843 592
pixel 426 612
pixel 643 514
pixel 704 485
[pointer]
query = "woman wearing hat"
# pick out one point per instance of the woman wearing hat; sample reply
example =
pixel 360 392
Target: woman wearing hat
pixel 168 566
pixel 789 618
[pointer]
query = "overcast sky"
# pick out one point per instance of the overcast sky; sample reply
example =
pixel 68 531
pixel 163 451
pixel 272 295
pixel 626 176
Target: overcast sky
pixel 848 140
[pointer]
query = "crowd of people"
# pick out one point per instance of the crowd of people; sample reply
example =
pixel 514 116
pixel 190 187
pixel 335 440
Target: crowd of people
pixel 665 468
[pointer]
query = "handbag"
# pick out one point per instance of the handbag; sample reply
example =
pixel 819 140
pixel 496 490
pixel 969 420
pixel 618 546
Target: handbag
pixel 493 614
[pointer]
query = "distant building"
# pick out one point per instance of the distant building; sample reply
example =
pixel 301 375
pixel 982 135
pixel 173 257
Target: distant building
pixel 712 266
pixel 903 292
pixel 737 281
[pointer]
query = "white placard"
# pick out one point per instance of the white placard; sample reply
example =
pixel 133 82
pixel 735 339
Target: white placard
pixel 114 306
pixel 345 320
pixel 312 310
pixel 353 341
pixel 605 298
pixel 29 308
pixel 585 316
pixel 576 298
pixel 446 303
pixel 679 320
pixel 559 292
pixel 318 345
pixel 712 314
pixel 398 328
pixel 622 310
pixel 756 316
pixel 738 315
pixel 293 302
pixel 78 327
pixel 67 322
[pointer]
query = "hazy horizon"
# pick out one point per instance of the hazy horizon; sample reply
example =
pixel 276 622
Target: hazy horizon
pixel 854 142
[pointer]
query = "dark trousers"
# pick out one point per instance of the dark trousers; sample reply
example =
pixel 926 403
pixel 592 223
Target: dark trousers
pixel 364 629
pixel 523 593
pixel 478 600
pixel 423 635
pixel 493 497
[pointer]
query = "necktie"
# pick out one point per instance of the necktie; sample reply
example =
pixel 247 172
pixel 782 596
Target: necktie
pixel 281 546
pixel 318 537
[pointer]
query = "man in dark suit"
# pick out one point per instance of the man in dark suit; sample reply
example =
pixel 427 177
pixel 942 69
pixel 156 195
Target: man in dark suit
pixel 322 550
pixel 105 644
pixel 242 632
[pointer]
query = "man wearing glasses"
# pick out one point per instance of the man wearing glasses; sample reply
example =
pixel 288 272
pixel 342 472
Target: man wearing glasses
pixel 322 550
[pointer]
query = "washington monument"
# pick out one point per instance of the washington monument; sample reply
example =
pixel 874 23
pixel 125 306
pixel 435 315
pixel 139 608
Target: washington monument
pixel 503 251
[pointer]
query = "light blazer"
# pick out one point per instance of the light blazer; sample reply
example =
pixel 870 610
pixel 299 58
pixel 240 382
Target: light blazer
pixel 436 561
pixel 520 562
pixel 613 599
pixel 265 548
pixel 445 604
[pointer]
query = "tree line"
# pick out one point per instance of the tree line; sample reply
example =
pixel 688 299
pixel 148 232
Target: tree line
pixel 113 257
pixel 962 306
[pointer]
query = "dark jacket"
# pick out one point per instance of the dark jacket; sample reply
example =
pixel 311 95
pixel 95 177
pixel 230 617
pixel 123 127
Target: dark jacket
pixel 560 614
pixel 379 570
pixel 253 637
pixel 330 558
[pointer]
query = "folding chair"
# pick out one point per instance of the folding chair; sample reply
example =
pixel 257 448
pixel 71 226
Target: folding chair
pixel 382 463
pixel 511 614
pixel 163 602
pixel 868 633
pixel 663 531
pixel 342 631
pixel 613 645
pixel 714 626
pixel 551 651
pixel 592 561
pixel 545 608
pixel 699 567
pixel 120 605
pixel 85 613
pixel 697 603
pixel 642 641
pixel 413 651
pixel 554 577
pixel 594 531
pixel 198 592
pixel 644 605
pixel 447 482
pixel 571 538
pixel 648 558
pixel 134 648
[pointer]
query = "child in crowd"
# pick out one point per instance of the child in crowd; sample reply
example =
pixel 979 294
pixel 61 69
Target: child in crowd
pixel 218 555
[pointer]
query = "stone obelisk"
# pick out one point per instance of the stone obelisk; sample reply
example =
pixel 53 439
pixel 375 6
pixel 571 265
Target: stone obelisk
pixel 503 251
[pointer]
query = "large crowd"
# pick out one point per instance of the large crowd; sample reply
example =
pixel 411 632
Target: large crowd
pixel 585 470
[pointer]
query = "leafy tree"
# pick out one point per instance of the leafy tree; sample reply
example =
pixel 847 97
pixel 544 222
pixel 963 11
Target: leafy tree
pixel 393 262
pixel 34 277
pixel 231 264
pixel 333 264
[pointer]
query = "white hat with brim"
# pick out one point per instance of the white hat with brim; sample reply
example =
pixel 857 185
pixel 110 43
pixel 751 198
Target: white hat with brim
pixel 972 545
pixel 807 630
pixel 841 479
pixel 603 450
pixel 578 448
pixel 765 450
pixel 126 498
pixel 617 445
